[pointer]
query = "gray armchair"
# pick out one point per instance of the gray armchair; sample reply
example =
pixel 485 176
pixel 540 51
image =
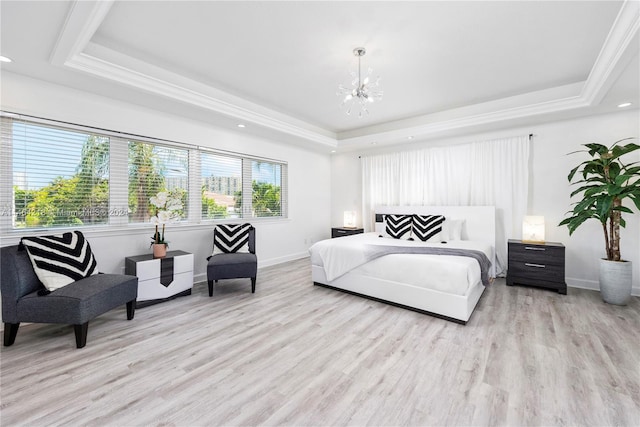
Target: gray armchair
pixel 75 304
pixel 234 265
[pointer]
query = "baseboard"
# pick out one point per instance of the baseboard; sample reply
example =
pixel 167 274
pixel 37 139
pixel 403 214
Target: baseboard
pixel 283 259
pixel 593 285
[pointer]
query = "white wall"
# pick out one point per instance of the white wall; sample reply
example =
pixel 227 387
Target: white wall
pixel 549 189
pixel 277 240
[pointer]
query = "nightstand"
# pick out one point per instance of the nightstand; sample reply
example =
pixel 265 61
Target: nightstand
pixel 161 279
pixel 342 231
pixel 536 264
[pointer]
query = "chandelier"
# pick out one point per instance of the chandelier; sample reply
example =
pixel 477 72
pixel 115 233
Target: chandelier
pixel 361 92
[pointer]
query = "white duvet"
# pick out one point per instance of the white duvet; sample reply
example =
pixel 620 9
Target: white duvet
pixel 446 273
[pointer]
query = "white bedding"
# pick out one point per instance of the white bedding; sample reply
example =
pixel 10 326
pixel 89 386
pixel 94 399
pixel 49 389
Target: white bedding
pixel 445 273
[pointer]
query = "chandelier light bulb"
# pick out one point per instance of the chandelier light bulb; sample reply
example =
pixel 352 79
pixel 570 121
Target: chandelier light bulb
pixel 361 92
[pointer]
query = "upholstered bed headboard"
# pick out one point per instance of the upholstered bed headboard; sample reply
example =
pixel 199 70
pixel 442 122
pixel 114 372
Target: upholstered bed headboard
pixel 479 224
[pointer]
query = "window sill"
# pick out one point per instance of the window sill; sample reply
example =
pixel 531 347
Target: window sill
pixel 13 237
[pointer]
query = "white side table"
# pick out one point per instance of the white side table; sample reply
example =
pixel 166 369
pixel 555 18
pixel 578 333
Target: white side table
pixel 161 279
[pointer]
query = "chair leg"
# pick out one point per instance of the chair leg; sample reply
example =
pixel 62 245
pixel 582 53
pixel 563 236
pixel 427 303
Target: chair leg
pixel 10 332
pixel 81 334
pixel 131 309
pixel 210 283
pixel 253 285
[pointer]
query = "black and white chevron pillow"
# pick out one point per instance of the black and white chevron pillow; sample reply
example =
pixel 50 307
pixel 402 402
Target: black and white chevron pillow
pixel 427 227
pixel 231 238
pixel 398 226
pixel 60 260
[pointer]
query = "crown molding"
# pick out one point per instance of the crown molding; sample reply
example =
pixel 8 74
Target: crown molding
pixel 466 118
pixel 75 50
pixel 83 20
pixel 152 79
pixel 615 54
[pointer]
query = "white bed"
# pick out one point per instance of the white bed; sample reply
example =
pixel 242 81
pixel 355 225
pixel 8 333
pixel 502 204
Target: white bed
pixel 443 285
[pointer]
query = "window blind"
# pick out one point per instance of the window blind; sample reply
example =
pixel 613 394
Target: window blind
pixel 154 168
pixel 221 184
pixel 266 186
pixel 55 174
pixel 53 177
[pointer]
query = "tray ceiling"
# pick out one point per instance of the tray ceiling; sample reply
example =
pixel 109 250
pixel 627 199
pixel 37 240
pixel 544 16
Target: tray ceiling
pixel 445 66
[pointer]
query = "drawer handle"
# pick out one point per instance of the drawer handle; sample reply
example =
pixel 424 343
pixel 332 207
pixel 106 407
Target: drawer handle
pixel 340 231
pixel 534 265
pixel 532 248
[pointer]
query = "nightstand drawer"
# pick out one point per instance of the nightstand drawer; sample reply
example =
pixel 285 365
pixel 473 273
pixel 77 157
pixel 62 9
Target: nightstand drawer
pixel 536 271
pixel 340 232
pixel 536 254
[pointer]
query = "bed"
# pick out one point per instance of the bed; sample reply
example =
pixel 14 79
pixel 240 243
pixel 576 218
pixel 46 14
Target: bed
pixel 442 279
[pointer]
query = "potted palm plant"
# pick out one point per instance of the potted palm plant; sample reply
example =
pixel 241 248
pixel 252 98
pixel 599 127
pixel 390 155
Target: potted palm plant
pixel 604 182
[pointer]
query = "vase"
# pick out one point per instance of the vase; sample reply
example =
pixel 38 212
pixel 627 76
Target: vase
pixel 615 281
pixel 159 250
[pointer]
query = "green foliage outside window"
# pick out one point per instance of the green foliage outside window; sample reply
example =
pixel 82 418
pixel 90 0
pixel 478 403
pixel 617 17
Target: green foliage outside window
pixel 210 209
pixel 265 199
pixel 145 180
pixel 82 199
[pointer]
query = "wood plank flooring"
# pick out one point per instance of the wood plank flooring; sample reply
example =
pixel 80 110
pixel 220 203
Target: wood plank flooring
pixel 295 354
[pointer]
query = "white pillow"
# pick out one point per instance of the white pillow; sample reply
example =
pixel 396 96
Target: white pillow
pixel 452 229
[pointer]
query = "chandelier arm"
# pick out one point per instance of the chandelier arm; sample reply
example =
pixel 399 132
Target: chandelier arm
pixel 359 74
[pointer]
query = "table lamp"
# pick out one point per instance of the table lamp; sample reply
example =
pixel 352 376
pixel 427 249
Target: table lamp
pixel 533 229
pixel 349 219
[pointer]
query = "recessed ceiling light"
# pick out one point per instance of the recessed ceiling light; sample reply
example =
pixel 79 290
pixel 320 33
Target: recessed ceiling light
pixel 5 59
pixel 410 137
pixel 240 125
pixel 373 143
pixel 624 104
pixel 333 151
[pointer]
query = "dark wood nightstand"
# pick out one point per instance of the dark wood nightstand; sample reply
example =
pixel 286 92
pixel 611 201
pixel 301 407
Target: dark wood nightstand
pixel 536 264
pixel 341 231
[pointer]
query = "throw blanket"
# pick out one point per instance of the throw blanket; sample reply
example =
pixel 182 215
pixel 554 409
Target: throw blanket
pixel 338 261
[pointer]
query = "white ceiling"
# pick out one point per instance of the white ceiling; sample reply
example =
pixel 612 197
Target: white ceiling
pixel 275 65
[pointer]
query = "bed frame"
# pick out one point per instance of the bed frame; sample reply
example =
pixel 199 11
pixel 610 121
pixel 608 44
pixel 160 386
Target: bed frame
pixel 479 225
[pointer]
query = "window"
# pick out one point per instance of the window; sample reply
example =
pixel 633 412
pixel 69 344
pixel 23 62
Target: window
pixel 221 186
pixel 55 174
pixel 154 168
pixel 60 177
pixel 266 187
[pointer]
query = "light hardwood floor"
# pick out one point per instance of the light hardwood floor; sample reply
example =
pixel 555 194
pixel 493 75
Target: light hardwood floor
pixel 298 354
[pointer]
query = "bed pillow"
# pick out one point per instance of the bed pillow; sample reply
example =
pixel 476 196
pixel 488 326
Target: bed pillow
pixel 231 238
pixel 398 226
pixel 428 228
pixel 59 260
pixel 452 229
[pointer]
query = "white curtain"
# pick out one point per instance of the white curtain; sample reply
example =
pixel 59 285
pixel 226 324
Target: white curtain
pixel 487 173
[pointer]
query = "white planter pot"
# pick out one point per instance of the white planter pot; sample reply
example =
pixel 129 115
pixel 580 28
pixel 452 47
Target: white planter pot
pixel 615 281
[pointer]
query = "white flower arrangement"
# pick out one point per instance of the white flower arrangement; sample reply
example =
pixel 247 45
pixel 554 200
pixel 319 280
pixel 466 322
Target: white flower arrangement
pixel 168 206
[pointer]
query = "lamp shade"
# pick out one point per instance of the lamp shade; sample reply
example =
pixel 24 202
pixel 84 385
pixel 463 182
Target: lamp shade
pixel 533 229
pixel 350 219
